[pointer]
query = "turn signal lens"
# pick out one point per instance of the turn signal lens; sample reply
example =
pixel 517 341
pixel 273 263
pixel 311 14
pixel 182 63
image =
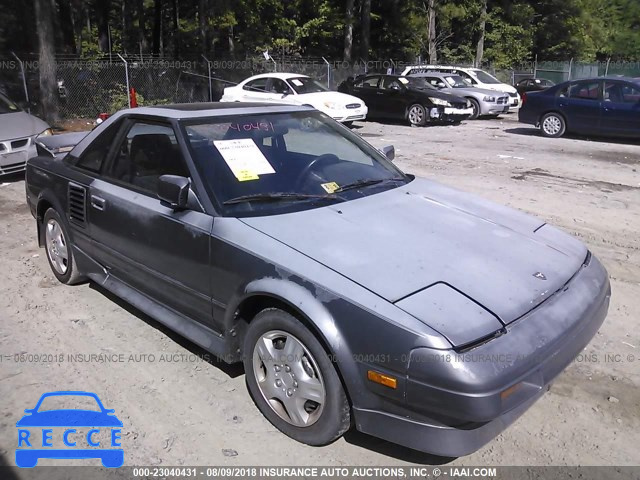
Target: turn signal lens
pixel 510 391
pixel 382 379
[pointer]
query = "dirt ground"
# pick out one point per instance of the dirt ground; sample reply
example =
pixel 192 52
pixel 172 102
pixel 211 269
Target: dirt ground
pixel 189 411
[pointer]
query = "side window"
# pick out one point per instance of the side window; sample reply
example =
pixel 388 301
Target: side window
pixel 369 82
pixel 278 85
pixel 257 85
pixel 391 83
pixel 585 90
pixel 93 157
pixel 146 153
pixel 621 93
pixel 467 78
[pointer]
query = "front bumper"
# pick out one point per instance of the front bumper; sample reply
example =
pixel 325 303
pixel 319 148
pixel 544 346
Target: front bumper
pixel 15 161
pixel 493 109
pixel 456 403
pixel 449 114
pixel 348 115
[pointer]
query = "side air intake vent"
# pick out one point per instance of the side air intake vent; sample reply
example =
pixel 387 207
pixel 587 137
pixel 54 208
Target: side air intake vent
pixel 77 205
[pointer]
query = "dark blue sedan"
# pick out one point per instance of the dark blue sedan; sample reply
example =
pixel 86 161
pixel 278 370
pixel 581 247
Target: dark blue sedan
pixel 607 106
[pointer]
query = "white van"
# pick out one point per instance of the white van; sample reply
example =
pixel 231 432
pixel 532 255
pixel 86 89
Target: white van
pixel 474 76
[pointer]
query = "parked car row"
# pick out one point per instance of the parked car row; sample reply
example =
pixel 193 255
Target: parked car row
pixel 422 94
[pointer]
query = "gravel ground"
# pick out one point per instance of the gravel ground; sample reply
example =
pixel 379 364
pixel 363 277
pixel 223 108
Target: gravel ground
pixel 189 411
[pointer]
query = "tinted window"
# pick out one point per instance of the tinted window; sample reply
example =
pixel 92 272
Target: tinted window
pixel 585 90
pixel 391 83
pixel 369 82
pixel 95 154
pixel 7 106
pixel 146 153
pixel 277 85
pixel 303 153
pixel 259 85
pixel 621 93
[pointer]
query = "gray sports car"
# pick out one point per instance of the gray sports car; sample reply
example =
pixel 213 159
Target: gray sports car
pixel 18 131
pixel 355 295
pixel 484 102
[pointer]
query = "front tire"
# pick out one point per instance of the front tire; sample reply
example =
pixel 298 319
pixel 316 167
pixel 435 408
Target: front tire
pixel 417 115
pixel 292 380
pixel 553 125
pixel 476 108
pixel 58 247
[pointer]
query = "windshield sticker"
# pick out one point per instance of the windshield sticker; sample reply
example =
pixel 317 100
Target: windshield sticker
pixel 296 82
pixel 244 158
pixel 403 80
pixel 330 187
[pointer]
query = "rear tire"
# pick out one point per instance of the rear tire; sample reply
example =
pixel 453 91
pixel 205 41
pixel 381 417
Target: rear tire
pixel 292 380
pixel 553 125
pixel 58 247
pixel 417 115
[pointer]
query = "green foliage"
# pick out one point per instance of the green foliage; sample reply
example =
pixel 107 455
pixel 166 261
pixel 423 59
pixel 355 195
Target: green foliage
pixel 516 30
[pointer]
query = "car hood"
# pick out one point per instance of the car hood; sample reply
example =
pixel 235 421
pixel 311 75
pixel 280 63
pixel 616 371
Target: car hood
pixel 20 125
pixel 69 418
pixel 427 92
pixel 400 242
pixel 499 87
pixel 318 98
pixel 475 92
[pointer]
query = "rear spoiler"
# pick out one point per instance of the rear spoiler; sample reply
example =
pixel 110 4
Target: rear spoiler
pixel 57 145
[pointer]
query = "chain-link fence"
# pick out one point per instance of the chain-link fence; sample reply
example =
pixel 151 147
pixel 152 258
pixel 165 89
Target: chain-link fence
pixel 87 88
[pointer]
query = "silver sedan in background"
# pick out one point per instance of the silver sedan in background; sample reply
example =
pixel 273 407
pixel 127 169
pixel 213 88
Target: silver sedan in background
pixel 484 102
pixel 18 131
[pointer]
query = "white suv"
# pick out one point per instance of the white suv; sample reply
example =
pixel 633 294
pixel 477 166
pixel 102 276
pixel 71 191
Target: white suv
pixel 474 76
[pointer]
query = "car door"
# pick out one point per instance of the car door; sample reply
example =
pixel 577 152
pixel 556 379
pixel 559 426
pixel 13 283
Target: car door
pixel 391 97
pixel 278 91
pixel 582 106
pixel 367 89
pixel 162 253
pixel 621 108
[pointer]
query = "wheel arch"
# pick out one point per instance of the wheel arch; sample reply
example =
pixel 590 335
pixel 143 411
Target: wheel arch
pixel 298 301
pixel 46 200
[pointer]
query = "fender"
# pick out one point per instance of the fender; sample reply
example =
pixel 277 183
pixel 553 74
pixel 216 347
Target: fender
pixel 46 196
pixel 312 307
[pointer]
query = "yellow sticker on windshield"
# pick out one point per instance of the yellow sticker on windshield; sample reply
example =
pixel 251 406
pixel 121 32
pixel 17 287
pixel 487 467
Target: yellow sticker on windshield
pixel 244 175
pixel 330 187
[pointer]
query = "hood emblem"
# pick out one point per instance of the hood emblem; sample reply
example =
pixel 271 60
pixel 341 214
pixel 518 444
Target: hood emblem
pixel 540 276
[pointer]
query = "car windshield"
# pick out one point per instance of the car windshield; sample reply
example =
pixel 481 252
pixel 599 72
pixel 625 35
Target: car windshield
pixel 306 85
pixel 282 162
pixel 7 106
pixel 484 77
pixel 69 402
pixel 456 81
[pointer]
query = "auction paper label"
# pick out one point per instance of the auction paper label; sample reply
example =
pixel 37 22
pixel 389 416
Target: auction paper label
pixel 244 158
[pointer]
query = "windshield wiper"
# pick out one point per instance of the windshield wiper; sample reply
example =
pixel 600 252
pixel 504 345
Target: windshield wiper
pixel 278 196
pixel 365 183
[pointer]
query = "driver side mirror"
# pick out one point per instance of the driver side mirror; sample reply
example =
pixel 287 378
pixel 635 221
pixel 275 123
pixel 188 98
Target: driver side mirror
pixel 173 191
pixel 389 151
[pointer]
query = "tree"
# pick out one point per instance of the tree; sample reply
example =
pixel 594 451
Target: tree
pixel 366 29
pixel 483 24
pixel 348 31
pixel 47 62
pixel 431 18
pixel 102 10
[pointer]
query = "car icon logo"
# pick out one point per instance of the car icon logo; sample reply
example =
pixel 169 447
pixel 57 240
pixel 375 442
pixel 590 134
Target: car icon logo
pixel 540 276
pixel 36 434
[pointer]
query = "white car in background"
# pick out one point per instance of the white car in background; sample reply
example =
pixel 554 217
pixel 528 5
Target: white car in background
pixel 295 89
pixel 473 76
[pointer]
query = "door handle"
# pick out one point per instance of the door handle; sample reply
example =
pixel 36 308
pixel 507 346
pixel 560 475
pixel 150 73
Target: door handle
pixel 98 203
